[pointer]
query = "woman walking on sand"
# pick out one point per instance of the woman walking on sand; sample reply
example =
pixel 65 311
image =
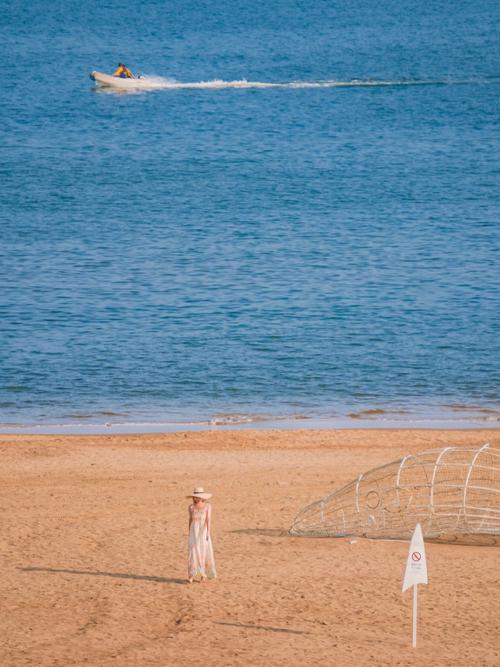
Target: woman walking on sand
pixel 200 551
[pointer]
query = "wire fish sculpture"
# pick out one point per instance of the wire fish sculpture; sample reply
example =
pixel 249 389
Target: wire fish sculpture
pixel 454 493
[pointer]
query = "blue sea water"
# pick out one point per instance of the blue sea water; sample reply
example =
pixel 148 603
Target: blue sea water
pixel 224 248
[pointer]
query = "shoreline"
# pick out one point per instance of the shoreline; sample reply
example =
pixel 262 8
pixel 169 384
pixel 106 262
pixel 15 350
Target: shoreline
pixel 372 415
pixel 254 424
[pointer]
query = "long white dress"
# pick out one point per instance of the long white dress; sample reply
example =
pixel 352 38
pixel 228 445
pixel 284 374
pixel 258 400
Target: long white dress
pixel 201 561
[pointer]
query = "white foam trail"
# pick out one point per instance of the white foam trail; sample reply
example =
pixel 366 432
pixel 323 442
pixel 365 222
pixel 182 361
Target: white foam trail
pixel 152 82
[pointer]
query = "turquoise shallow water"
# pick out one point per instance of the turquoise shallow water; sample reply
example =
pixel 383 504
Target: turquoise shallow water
pixel 229 251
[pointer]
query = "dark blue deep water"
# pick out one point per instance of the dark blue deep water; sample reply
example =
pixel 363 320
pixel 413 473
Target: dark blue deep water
pixel 209 247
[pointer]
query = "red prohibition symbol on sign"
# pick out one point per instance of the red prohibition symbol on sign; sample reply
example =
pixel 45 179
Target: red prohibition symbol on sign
pixel 416 556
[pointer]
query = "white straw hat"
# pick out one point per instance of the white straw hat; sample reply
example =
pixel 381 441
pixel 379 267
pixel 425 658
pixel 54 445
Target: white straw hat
pixel 199 492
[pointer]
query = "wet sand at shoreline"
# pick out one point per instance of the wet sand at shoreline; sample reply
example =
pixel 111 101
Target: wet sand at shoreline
pixel 94 540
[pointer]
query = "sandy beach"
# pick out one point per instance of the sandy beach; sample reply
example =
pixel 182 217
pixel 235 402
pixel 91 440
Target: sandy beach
pixel 93 552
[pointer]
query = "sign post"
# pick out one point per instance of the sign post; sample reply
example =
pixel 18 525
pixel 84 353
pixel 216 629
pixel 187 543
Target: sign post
pixel 416 572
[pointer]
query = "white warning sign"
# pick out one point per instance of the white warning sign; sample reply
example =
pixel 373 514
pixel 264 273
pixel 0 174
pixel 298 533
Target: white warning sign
pixel 416 565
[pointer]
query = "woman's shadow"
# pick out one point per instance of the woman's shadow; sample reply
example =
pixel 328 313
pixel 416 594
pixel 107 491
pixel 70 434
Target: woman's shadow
pixel 115 575
pixel 267 532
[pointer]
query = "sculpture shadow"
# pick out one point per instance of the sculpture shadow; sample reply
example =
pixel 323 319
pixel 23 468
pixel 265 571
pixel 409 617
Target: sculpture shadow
pixel 262 532
pixel 114 575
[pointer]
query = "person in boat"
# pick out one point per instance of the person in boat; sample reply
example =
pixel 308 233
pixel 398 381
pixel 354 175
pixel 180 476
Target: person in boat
pixel 123 72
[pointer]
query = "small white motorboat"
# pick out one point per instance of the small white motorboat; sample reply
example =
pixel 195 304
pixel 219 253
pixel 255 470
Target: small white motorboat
pixel 117 82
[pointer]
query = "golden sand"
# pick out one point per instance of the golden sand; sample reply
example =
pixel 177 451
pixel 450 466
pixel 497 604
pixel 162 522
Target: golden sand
pixel 93 550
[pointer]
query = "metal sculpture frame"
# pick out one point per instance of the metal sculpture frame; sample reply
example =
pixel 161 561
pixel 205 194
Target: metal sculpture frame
pixel 454 493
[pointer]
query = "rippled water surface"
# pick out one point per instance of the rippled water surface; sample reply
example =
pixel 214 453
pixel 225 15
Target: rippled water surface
pixel 299 217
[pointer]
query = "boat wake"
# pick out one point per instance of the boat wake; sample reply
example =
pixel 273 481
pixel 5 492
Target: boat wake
pixel 151 82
